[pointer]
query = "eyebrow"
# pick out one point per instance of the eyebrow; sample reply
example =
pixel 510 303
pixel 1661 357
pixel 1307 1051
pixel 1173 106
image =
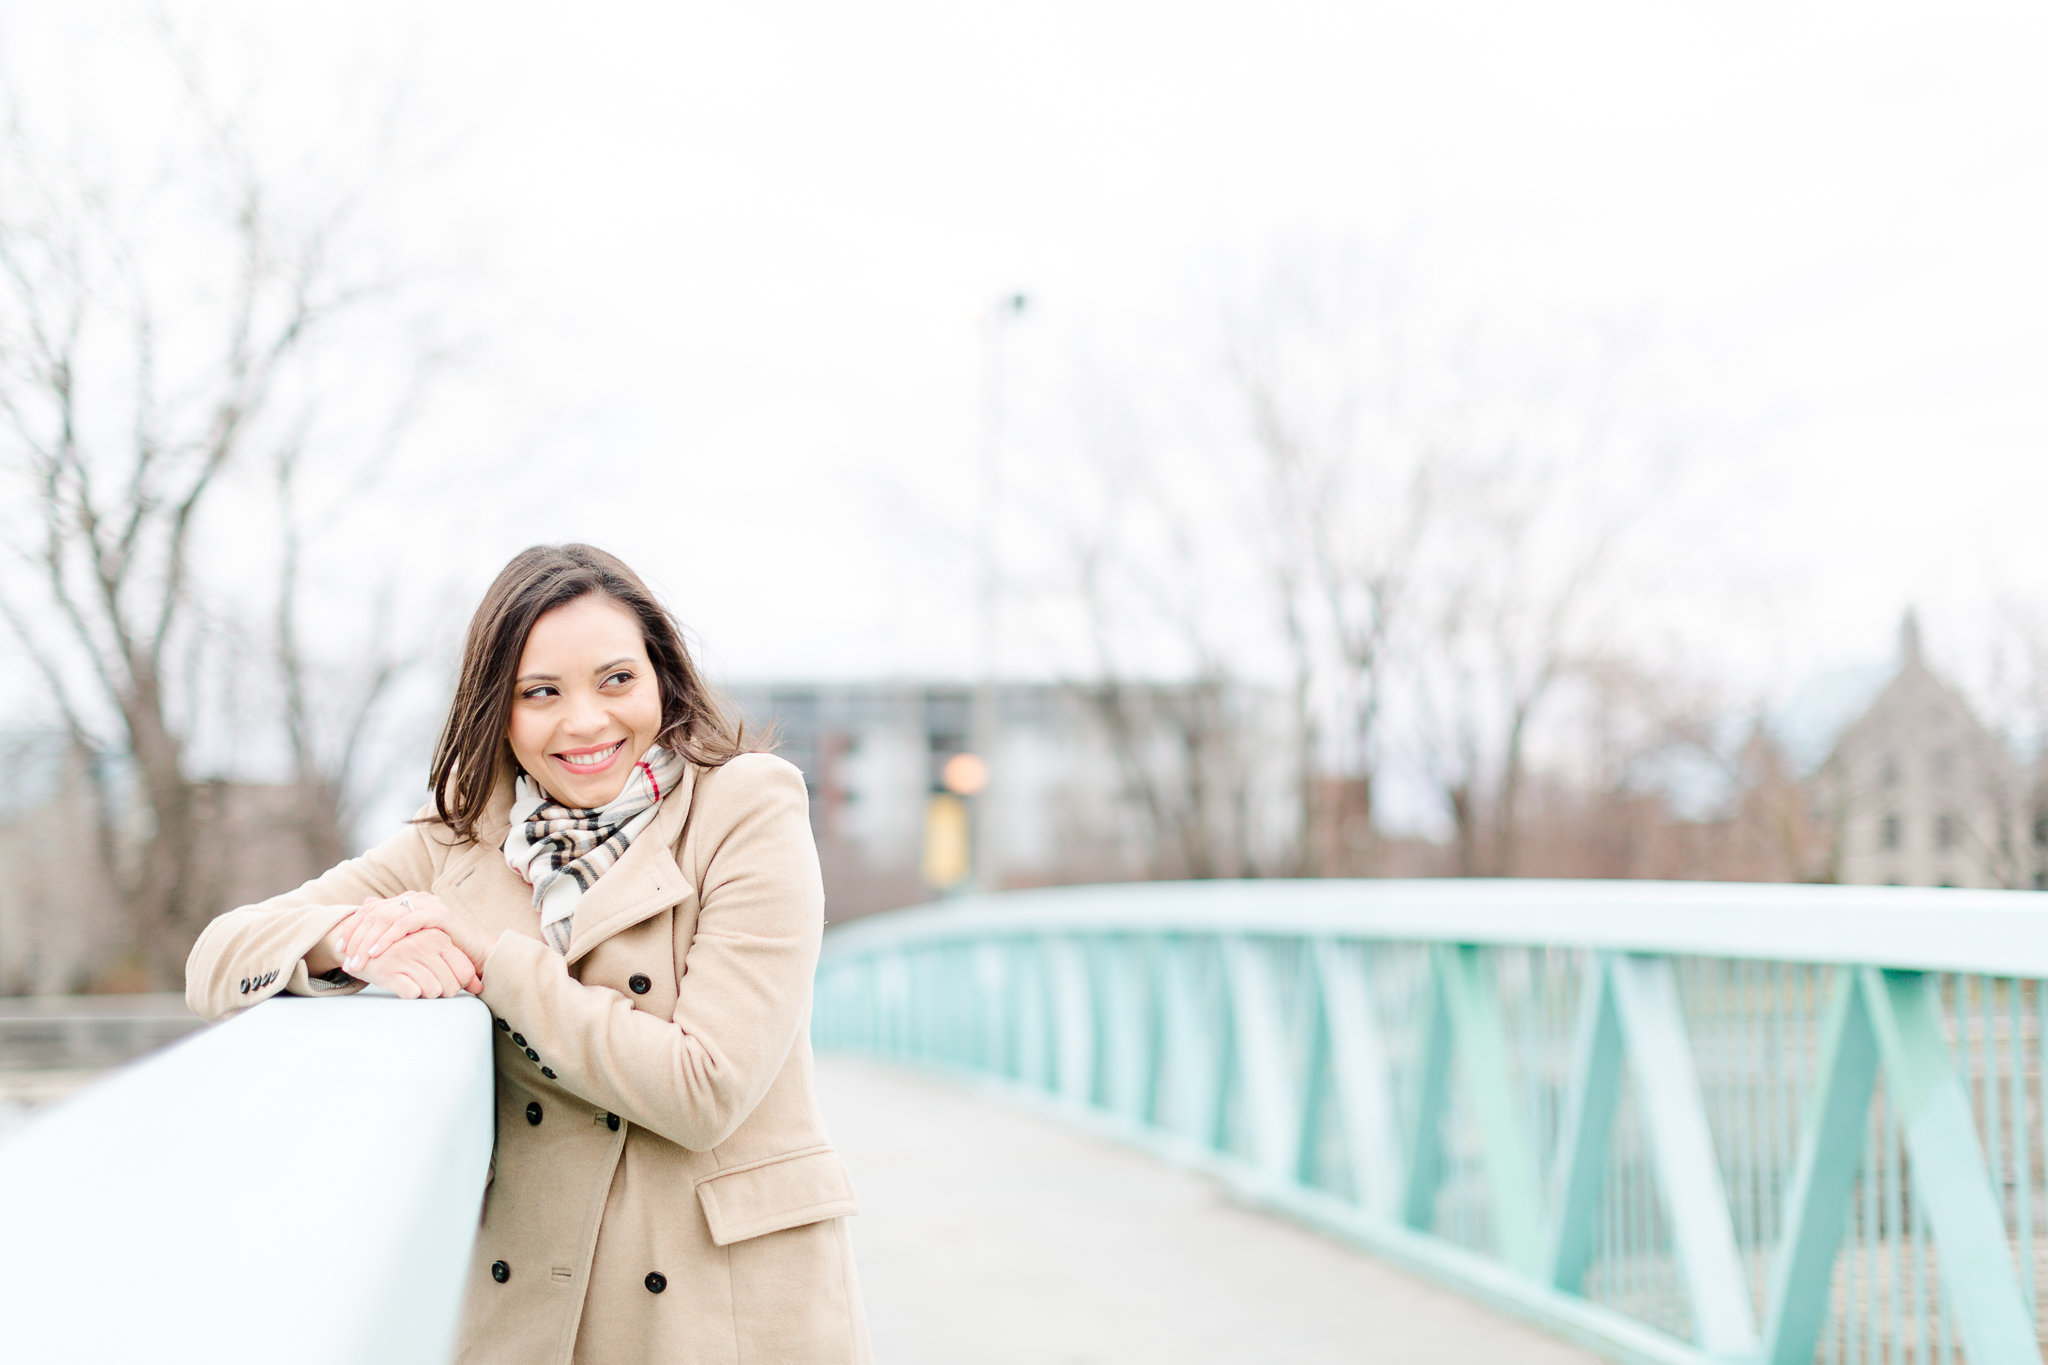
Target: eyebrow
pixel 555 677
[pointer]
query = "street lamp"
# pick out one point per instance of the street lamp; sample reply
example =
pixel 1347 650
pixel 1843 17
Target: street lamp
pixel 984 864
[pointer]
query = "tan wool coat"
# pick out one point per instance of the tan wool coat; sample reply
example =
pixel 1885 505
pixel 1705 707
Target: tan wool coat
pixel 662 1187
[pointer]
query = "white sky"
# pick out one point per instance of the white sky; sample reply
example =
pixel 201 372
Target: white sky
pixel 724 265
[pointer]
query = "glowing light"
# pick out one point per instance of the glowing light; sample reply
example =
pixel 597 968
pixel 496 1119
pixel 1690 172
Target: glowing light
pixel 964 774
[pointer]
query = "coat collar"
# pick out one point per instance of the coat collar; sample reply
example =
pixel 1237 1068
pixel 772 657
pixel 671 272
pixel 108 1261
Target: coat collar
pixel 644 881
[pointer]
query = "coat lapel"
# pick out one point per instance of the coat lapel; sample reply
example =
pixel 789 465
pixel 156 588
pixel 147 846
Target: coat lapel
pixel 645 880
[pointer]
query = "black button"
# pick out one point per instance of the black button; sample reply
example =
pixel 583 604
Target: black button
pixel 505 1026
pixel 533 1112
pixel 532 1056
pixel 656 1281
pixel 500 1271
pixel 245 985
pixel 611 1121
pixel 548 1072
pixel 640 984
pixel 517 1041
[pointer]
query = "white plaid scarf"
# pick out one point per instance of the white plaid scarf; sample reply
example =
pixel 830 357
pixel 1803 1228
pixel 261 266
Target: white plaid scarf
pixel 561 851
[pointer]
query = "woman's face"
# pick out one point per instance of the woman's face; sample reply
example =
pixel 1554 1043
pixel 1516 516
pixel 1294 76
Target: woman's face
pixel 585 703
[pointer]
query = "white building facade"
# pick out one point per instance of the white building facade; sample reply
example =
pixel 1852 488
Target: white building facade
pixel 1921 793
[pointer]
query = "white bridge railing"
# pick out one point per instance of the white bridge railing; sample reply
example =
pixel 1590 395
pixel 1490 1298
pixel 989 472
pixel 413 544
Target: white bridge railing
pixel 301 1182
pixel 1681 1122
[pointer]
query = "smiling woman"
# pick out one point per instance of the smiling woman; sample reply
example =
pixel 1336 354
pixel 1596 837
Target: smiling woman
pixel 636 897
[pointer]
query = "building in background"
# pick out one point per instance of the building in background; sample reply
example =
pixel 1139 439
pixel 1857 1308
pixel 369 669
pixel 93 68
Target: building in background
pixel 1065 783
pixel 1919 792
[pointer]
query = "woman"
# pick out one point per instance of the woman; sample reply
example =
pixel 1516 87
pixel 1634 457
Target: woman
pixel 637 899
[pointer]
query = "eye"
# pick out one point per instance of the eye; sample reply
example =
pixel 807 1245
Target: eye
pixel 622 677
pixel 538 691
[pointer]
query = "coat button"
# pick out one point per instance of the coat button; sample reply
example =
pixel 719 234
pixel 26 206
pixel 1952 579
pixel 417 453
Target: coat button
pixel 640 984
pixel 518 1041
pixel 548 1072
pixel 611 1121
pixel 500 1271
pixel 532 1056
pixel 533 1113
pixel 656 1281
pixel 245 985
pixel 505 1026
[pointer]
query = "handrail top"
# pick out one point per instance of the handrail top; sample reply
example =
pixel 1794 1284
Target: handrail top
pixel 2003 933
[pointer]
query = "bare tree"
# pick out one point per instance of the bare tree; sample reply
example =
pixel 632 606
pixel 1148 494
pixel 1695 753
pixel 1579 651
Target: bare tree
pixel 1160 679
pixel 1518 580
pixel 1318 358
pixel 138 409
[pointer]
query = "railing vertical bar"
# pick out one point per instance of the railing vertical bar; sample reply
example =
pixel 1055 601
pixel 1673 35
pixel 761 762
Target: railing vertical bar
pixel 1917 1235
pixel 2041 1101
pixel 1990 1119
pixel 1949 994
pixel 1872 1300
pixel 1633 1203
pixel 1736 1106
pixel 2022 1150
pixel 1756 1094
pixel 1894 1237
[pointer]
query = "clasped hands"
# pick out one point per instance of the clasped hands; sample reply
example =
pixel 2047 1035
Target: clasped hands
pixel 410 945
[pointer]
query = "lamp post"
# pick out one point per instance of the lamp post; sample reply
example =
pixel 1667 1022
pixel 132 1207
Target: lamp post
pixel 984 864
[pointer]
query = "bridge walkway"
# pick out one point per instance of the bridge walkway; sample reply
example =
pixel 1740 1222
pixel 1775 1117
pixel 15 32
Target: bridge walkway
pixel 991 1235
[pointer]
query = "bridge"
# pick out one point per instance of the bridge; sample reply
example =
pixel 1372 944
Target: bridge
pixel 1296 1121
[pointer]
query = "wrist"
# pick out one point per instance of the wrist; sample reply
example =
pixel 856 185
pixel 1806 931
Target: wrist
pixel 321 957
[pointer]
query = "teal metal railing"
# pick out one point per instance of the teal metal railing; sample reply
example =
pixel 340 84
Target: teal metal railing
pixel 1676 1121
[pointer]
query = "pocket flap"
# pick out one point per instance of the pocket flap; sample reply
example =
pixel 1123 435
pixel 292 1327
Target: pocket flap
pixel 780 1192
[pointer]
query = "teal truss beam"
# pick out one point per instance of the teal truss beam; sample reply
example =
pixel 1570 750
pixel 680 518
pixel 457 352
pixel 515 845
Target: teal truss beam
pixel 1437 1071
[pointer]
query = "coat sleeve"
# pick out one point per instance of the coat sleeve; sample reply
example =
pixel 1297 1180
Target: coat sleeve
pixel 745 989
pixel 253 953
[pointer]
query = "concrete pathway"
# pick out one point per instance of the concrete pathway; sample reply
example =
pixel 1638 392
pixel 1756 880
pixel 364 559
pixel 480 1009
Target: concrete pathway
pixel 991 1236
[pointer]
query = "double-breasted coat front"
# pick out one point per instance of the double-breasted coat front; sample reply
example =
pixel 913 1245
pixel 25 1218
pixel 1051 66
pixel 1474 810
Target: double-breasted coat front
pixel 662 1188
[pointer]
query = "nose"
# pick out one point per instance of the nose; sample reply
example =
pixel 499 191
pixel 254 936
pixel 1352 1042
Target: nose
pixel 586 715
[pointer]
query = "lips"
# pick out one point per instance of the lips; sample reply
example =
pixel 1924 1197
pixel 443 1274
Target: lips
pixel 591 759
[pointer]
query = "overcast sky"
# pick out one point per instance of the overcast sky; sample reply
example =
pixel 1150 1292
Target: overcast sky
pixel 739 255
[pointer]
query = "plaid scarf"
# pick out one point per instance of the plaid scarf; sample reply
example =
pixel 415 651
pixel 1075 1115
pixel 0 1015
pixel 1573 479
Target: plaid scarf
pixel 561 851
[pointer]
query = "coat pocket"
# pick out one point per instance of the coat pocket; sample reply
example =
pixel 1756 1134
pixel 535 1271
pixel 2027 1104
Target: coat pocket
pixel 779 1192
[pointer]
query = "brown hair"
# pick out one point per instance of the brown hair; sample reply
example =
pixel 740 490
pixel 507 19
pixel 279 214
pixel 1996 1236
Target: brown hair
pixel 472 751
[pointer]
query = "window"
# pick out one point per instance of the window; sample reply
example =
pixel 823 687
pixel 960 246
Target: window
pixel 1888 772
pixel 1888 832
pixel 1944 830
pixel 1942 765
pixel 2041 831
